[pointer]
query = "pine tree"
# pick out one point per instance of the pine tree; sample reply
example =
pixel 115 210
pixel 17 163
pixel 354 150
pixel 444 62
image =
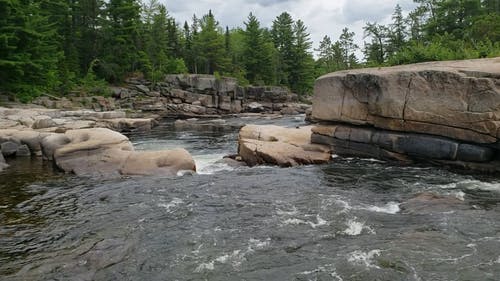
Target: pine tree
pixel 209 45
pixel 29 51
pixel 348 47
pixel 283 38
pixel 376 50
pixel 398 32
pixel 302 69
pixel 122 38
pixel 256 56
pixel 88 17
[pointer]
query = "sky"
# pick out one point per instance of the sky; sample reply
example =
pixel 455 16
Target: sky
pixel 322 17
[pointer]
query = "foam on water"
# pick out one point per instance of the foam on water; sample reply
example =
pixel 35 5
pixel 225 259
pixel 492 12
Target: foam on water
pixel 236 257
pixel 328 268
pixel 295 221
pixel 364 258
pixel 355 228
pixel 172 204
pixel 206 164
pixel 292 212
pixel 473 185
pixel 389 208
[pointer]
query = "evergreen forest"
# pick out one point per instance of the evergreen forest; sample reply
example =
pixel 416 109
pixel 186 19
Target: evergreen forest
pixel 62 46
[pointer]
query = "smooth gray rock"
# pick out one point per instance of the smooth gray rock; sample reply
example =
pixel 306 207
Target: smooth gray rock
pixel 23 151
pixel 474 153
pixel 9 148
pixel 426 147
pixel 44 123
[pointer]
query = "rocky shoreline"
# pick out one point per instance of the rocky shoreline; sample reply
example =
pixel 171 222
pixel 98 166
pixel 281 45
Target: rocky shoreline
pixel 70 130
pixel 444 113
pixel 85 143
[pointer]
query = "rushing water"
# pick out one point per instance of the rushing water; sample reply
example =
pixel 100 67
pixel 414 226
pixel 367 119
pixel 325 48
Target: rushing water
pixel 353 219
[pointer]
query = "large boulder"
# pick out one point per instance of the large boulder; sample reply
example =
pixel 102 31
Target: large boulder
pixel 455 99
pixel 102 152
pixel 91 152
pixel 167 162
pixel 269 144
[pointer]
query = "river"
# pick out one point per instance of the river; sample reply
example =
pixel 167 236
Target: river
pixel 352 219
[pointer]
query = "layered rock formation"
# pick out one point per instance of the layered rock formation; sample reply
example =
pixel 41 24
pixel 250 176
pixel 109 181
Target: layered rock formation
pixel 187 95
pixel 447 112
pixel 269 144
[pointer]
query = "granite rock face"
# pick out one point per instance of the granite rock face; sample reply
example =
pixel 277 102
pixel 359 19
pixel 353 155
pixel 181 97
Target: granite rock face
pixel 456 99
pixel 445 112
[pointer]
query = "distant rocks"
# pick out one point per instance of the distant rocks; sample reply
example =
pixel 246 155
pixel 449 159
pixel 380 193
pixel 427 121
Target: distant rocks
pixel 441 112
pixel 54 120
pixel 194 95
pixel 268 144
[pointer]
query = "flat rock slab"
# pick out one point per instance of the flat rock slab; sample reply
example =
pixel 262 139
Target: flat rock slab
pixel 269 144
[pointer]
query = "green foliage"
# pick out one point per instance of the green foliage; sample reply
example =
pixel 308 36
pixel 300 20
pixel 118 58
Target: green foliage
pixel 210 45
pixel 58 46
pixel 90 83
pixel 257 53
pixel 437 30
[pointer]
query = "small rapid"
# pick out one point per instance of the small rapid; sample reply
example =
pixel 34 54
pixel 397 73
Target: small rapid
pixel 352 219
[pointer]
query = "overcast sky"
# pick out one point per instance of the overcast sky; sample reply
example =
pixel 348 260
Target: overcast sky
pixel 322 17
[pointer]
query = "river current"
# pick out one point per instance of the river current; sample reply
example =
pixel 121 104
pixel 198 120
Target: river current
pixel 352 219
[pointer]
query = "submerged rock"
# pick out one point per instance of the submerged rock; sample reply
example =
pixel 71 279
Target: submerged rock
pixel 427 202
pixel 269 144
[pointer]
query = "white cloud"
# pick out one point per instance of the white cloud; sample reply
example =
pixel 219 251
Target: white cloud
pixel 322 17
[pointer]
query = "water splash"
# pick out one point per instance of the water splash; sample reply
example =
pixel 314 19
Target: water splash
pixel 236 257
pixel 364 258
pixel 389 208
pixel 355 228
pixel 473 185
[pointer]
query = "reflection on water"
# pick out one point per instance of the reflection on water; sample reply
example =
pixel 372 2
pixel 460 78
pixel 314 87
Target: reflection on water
pixel 353 219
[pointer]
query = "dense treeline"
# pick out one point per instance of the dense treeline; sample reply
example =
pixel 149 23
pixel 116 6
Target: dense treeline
pixel 58 46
